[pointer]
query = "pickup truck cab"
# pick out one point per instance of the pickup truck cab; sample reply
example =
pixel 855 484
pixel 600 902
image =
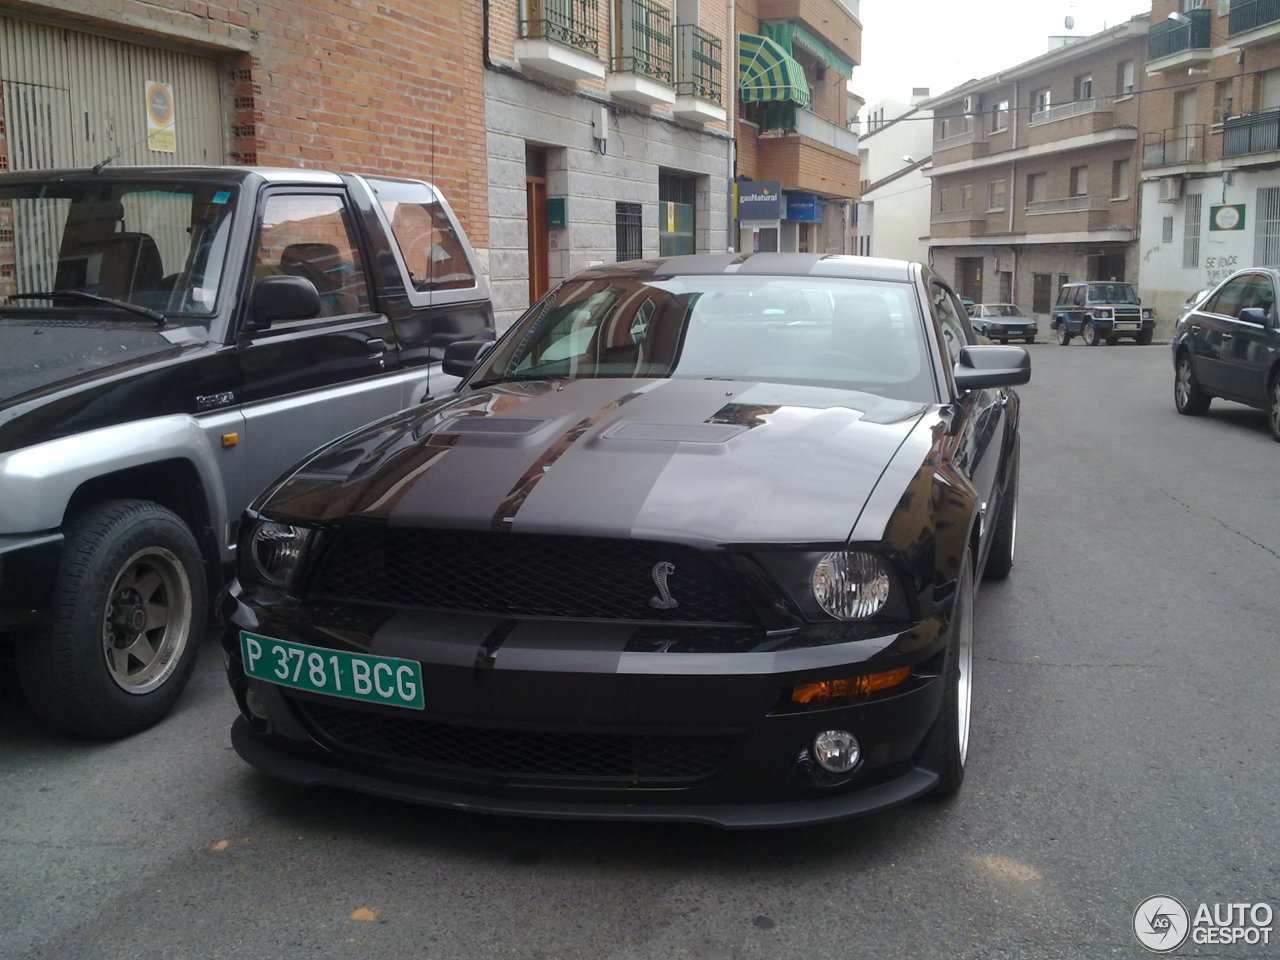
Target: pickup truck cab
pixel 171 340
pixel 1101 310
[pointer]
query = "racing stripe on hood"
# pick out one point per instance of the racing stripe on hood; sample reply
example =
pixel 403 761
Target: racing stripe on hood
pixel 505 515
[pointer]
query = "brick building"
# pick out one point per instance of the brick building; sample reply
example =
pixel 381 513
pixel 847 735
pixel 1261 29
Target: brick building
pixel 1035 172
pixel 393 87
pixel 1211 145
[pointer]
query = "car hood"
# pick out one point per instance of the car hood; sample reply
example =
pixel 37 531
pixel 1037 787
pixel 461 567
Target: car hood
pixel 44 354
pixel 707 461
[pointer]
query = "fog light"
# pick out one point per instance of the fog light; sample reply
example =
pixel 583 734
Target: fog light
pixel 254 703
pixel 837 751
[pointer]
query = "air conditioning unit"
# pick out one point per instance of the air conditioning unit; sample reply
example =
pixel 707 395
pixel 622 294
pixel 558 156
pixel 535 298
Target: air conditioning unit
pixel 971 104
pixel 1170 189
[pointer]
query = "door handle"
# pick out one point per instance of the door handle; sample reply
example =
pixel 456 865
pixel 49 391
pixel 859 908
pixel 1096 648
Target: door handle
pixel 377 346
pixel 1228 336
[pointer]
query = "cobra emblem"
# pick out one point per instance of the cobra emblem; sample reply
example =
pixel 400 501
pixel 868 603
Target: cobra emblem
pixel 663 601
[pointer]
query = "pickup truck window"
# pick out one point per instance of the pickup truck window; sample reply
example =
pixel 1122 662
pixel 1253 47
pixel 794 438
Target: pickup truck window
pixel 430 245
pixel 310 236
pixel 159 247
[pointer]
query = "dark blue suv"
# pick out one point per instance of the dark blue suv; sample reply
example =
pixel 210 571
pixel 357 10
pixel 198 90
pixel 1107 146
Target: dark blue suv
pixel 1229 347
pixel 1101 310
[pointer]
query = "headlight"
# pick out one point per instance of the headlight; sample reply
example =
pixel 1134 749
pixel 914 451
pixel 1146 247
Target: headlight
pixel 275 551
pixel 1147 313
pixel 851 585
pixel 1101 314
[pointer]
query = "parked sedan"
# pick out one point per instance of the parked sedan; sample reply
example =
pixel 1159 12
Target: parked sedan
pixel 1003 322
pixel 698 539
pixel 1229 346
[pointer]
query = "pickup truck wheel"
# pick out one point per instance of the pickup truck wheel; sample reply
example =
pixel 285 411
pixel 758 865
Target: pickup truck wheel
pixel 1089 333
pixel 1187 395
pixel 128 607
pixel 1064 337
pixel 952 729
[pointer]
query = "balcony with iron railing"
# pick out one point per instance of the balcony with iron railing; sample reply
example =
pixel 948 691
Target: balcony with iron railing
pixel 960 147
pixel 1254 133
pixel 1176 146
pixel 641 66
pixel 560 37
pixel 699 75
pixel 1173 44
pixel 1067 205
pixel 1249 15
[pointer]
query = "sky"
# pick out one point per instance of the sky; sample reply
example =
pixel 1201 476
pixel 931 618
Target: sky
pixel 940 44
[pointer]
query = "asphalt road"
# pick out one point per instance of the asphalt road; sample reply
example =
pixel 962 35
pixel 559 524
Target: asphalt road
pixel 1124 746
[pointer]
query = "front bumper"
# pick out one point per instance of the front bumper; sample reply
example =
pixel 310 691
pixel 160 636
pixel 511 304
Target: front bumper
pixel 570 720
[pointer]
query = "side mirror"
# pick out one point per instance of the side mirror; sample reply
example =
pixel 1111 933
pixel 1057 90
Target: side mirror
pixel 463 356
pixel 1257 315
pixel 284 298
pixel 992 367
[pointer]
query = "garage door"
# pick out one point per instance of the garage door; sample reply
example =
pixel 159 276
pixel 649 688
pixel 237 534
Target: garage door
pixel 73 99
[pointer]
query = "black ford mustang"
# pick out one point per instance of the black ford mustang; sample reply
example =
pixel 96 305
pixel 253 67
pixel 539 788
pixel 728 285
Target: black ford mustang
pixel 697 539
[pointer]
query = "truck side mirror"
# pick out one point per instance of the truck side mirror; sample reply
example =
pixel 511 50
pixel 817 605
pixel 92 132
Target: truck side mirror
pixel 284 298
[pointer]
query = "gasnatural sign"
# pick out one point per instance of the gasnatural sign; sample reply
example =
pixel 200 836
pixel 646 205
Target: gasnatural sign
pixel 759 200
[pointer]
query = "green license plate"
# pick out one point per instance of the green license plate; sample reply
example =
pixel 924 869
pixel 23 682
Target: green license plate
pixel 356 676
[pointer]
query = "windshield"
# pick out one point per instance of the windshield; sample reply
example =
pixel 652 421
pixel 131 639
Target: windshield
pixel 1001 310
pixel 1112 293
pixel 162 247
pixel 860 334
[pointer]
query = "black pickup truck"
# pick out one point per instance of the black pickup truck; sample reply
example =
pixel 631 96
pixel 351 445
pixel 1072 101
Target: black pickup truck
pixel 171 340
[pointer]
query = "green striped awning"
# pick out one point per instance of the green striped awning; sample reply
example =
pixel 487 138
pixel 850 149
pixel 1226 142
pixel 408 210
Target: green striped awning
pixel 767 72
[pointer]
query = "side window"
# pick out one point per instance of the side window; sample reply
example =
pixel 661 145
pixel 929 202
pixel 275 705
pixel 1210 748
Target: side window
pixel 431 247
pixel 949 311
pixel 1064 296
pixel 1226 302
pixel 1259 294
pixel 310 235
pixel 1079 296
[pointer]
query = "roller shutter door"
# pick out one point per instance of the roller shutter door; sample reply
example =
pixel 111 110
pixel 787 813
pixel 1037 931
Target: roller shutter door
pixel 72 99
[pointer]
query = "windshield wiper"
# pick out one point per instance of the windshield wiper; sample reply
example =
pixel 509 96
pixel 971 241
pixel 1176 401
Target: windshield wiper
pixel 147 312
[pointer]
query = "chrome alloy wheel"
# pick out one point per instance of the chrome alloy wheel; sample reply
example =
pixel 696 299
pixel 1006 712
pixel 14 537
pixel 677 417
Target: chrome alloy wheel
pixel 1182 383
pixel 147 621
pixel 964 665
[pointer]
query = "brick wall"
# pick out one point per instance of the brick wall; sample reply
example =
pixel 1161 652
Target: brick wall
pixel 394 87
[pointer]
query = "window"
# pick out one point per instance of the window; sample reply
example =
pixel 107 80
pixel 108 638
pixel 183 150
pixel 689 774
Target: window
pixel 1191 232
pixel 1000 116
pixel 1040 292
pixel 676 222
pixel 1120 179
pixel 432 249
pixel 1227 301
pixel 1083 87
pixel 997 194
pixel 1124 78
pixel 966 197
pixel 1223 100
pixel 1037 185
pixel 1266 241
pixel 1079 182
pixel 310 236
pixel 944 199
pixel 1268 91
pixel 1166 230
pixel 628 222
pixel 949 312
pixel 1040 101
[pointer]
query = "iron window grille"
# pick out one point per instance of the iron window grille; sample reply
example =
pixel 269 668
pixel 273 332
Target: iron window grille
pixel 644 44
pixel 629 224
pixel 572 23
pixel 701 68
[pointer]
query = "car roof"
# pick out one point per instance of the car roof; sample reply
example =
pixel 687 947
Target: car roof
pixel 760 264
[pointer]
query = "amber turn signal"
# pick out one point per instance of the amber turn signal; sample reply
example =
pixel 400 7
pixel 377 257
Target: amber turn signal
pixel 849 688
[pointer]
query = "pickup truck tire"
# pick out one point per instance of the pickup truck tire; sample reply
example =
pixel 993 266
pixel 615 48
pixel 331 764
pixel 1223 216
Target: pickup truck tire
pixel 1064 336
pixel 1089 333
pixel 128 610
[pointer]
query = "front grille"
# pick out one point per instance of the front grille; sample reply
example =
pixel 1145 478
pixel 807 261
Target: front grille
pixel 444 747
pixel 524 575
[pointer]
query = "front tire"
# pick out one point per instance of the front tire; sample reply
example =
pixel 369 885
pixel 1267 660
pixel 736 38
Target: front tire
pixel 952 729
pixel 1273 407
pixel 1145 337
pixel 1064 336
pixel 128 608
pixel 1089 333
pixel 1005 536
pixel 1190 400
